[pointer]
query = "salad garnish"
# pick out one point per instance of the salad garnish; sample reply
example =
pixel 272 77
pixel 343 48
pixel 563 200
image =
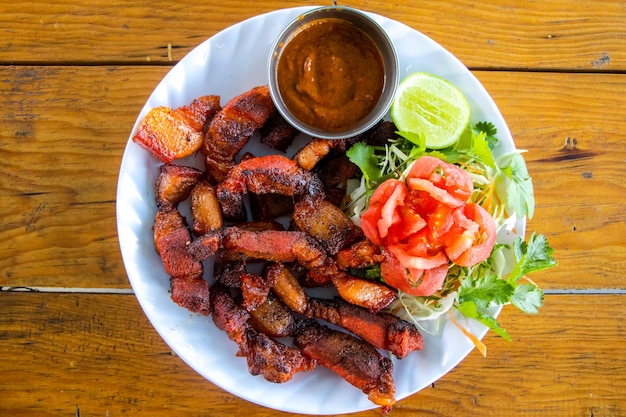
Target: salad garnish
pixel 501 186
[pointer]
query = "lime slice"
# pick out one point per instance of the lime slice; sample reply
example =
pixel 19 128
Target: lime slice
pixel 431 107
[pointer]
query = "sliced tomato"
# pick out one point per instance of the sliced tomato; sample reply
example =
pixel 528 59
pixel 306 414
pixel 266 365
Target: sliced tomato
pixel 369 223
pixel 443 175
pixel 411 281
pixel 483 239
pixel 410 223
pixel 440 221
pixel 389 213
pixel 410 258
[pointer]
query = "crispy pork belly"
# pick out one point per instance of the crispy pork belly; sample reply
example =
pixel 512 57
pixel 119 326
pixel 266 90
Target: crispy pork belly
pixel 286 286
pixel 172 240
pixel 174 184
pixel 255 290
pixel 326 223
pixel 270 245
pixel 359 255
pixel 205 208
pixel 229 273
pixel 270 206
pixel 233 126
pixel 336 170
pixel 172 134
pixel 277 133
pixel 275 361
pixel 356 361
pixel 363 292
pixel 273 174
pixel 191 293
pixel 382 330
pixel 273 318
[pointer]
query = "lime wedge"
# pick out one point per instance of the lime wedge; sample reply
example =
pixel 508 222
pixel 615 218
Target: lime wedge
pixel 431 107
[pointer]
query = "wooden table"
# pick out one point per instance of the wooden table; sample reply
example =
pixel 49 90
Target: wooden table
pixel 73 77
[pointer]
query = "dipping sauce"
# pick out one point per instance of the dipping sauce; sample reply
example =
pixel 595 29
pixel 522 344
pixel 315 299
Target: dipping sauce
pixel 330 74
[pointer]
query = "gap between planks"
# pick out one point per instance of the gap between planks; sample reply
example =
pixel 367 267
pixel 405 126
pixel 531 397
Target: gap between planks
pixel 115 291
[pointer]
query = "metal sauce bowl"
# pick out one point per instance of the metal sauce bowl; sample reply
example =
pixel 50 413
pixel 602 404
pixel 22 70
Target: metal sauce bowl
pixel 380 38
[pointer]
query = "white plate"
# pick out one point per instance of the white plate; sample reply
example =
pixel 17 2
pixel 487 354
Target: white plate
pixel 228 64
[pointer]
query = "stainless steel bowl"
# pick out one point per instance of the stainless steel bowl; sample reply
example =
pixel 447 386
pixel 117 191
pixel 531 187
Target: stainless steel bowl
pixel 380 38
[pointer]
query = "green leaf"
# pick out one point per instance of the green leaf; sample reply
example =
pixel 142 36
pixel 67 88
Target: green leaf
pixel 490 132
pixel 514 186
pixel 532 256
pixel 485 291
pixel 362 155
pixel 415 138
pixel 528 298
pixel 470 309
pixel 480 149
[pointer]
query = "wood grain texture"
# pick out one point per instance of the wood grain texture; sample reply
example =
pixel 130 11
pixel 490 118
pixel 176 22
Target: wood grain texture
pixel 65 128
pixel 574 134
pixel 550 34
pixel 100 354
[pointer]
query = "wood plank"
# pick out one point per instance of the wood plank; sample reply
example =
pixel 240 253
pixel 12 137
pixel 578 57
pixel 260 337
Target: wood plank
pixel 573 131
pixel 551 34
pixel 64 130
pixel 99 354
pixel 63 135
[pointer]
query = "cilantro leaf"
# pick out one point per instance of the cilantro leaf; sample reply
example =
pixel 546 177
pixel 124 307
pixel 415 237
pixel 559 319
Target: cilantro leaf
pixel 490 132
pixel 481 150
pixel 534 255
pixel 470 309
pixel 485 291
pixel 362 155
pixel 528 298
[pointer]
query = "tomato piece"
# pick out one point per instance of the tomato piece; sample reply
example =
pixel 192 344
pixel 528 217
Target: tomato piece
pixel 483 240
pixel 437 193
pixel 369 223
pixel 411 281
pixel 389 212
pixel 370 218
pixel 411 223
pixel 440 221
pixel 443 175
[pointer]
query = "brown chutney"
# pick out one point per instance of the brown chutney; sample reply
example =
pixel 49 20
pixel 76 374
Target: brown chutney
pixel 330 74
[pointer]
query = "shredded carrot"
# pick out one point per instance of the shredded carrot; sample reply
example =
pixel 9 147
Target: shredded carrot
pixel 482 348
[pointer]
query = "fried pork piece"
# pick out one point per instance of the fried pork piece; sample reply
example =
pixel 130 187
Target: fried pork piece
pixel 326 223
pixel 356 361
pixel 229 273
pixel 384 331
pixel 232 128
pixel 270 245
pixel 191 293
pixel 174 184
pixel 255 290
pixel 270 206
pixel 277 133
pixel 359 255
pixel 205 208
pixel 172 134
pixel 363 292
pixel 273 174
pixel 265 356
pixel 318 149
pixel 171 239
pixel 286 286
pixel 273 318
